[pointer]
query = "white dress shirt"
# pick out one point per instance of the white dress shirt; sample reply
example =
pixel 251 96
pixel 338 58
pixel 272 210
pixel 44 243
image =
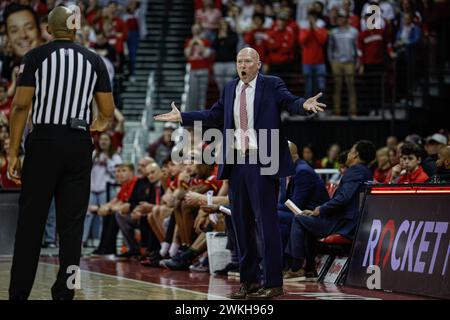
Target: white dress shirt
pixel 250 99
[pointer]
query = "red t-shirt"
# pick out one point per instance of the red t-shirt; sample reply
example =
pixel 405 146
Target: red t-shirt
pixel 418 176
pixel 196 60
pixel 119 36
pixel 257 40
pixel 280 46
pixel 381 175
pixel 312 43
pixel 126 189
pixel 372 46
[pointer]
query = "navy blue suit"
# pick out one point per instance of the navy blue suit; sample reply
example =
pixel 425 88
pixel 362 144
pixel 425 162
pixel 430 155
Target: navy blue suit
pixel 253 197
pixel 306 189
pixel 338 215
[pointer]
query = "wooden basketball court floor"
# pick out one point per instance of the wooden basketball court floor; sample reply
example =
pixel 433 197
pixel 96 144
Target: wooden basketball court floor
pixel 106 278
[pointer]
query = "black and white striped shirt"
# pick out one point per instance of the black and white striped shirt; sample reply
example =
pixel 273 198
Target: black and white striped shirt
pixel 66 77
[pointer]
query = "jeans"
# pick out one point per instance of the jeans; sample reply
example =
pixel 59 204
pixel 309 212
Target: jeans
pixel 133 44
pixel 314 78
pixel 93 222
pixel 224 72
pixel 198 84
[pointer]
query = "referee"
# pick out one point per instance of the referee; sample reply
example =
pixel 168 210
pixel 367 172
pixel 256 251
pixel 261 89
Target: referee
pixel 58 81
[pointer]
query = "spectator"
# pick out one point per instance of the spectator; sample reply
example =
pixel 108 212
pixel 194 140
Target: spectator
pixel 338 215
pixel 131 19
pixel 303 8
pixel 146 193
pixel 330 161
pixel 394 156
pixel 383 165
pixel 246 14
pixel 93 13
pixel 45 36
pixel 308 155
pixel 342 56
pixel 408 6
pixel 115 30
pixel 124 174
pixel 225 46
pixel 312 41
pixel 387 11
pixel 408 37
pixel 442 174
pixel 208 18
pixel 257 37
pixel 409 169
pixel 260 9
pixel 391 142
pixel 5 101
pixel 347 6
pixel 104 161
pixel 336 178
pixel 432 146
pixel 280 45
pixel 104 48
pixel 305 189
pixel 161 149
pixel 197 51
pixel 373 47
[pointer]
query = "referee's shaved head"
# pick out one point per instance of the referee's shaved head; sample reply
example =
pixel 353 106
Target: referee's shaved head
pixel 59 20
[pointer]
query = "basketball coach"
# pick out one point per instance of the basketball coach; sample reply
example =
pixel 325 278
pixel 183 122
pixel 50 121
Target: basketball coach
pixel 57 81
pixel 248 104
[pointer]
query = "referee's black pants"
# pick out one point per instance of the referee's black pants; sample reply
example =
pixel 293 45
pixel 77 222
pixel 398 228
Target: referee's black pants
pixel 58 162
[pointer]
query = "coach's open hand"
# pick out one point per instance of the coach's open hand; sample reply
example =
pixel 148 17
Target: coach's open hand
pixel 173 116
pixel 312 105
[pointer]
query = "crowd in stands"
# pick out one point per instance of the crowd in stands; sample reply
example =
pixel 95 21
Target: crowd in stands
pixel 341 38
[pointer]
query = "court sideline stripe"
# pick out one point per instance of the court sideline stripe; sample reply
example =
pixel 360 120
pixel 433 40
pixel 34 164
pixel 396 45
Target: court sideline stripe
pixel 145 282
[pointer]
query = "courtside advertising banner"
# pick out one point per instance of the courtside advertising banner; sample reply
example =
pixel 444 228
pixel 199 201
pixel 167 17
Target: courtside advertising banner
pixel 403 243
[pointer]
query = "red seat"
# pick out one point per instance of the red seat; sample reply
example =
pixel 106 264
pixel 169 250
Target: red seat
pixel 335 239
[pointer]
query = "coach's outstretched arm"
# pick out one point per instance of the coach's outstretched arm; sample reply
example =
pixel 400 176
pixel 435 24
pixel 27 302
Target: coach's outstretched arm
pixel 211 118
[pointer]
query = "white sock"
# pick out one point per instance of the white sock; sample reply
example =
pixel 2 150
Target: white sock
pixel 164 248
pixel 173 249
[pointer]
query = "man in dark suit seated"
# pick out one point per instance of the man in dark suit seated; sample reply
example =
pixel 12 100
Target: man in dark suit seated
pixel 338 215
pixel 305 189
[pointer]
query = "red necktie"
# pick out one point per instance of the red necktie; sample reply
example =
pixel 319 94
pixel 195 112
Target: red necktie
pixel 243 119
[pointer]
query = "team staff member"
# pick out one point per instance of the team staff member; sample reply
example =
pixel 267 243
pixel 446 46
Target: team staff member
pixel 58 81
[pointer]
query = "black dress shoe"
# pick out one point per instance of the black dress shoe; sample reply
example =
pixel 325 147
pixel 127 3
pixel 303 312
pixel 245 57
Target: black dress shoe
pixel 245 290
pixel 266 293
pixel 224 271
